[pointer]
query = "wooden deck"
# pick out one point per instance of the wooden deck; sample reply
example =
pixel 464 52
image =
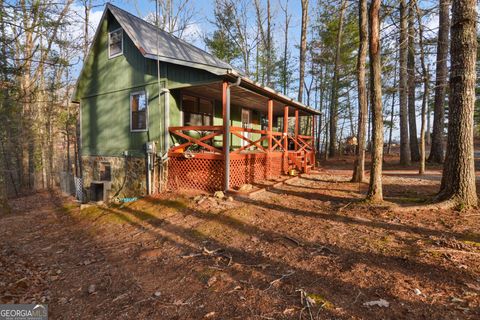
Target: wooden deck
pixel 198 163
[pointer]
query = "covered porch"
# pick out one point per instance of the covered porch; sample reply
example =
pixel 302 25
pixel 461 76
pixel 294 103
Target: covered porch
pixel 253 134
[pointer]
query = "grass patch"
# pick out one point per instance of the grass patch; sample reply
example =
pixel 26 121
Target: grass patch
pixel 410 199
pixel 4 208
pixel 472 243
pixel 320 300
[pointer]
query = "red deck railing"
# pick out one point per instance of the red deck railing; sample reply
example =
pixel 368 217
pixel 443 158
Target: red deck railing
pixel 197 162
pixel 200 140
pixel 207 134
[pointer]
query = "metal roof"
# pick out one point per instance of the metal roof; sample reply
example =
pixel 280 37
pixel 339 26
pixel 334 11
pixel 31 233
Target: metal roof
pixel 170 48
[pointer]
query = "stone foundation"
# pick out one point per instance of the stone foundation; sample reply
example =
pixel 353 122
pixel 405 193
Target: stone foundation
pixel 127 175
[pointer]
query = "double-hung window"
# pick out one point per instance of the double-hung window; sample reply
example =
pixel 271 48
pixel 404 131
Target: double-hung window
pixel 115 43
pixel 197 111
pixel 138 111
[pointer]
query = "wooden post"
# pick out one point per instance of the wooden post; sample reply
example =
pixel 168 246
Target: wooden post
pixel 314 125
pixel 296 128
pixel 313 132
pixel 269 135
pixel 226 138
pixel 270 123
pixel 285 139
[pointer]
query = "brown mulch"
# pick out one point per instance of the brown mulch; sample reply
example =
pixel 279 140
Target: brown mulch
pixel 313 238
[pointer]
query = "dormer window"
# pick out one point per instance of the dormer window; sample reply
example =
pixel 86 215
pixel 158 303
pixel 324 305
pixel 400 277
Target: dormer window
pixel 115 43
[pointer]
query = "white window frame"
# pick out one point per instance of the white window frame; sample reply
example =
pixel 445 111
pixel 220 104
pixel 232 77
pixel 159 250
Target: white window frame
pixel 146 120
pixel 121 52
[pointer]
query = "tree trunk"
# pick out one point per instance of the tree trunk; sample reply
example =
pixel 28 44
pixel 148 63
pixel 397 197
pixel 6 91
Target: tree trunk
pixel 369 123
pixel 269 46
pixel 375 187
pixel 436 151
pixel 334 97
pixel 285 49
pixel 404 143
pixel 320 123
pixel 303 48
pixel 87 5
pixel 412 119
pixel 428 134
pixel 392 110
pixel 359 165
pixel 350 116
pixel 458 180
pixel 426 80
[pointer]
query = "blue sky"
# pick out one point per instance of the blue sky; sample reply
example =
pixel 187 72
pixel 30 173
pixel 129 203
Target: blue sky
pixel 204 12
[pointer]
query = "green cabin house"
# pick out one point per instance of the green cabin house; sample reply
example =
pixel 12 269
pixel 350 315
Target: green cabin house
pixel 157 113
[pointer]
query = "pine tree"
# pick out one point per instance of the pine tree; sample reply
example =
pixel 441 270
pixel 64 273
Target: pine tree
pixel 375 192
pixel 458 180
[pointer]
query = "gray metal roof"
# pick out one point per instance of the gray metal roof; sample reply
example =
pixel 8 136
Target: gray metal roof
pixel 170 48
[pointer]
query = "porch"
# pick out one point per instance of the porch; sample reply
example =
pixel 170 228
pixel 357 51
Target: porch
pixel 241 149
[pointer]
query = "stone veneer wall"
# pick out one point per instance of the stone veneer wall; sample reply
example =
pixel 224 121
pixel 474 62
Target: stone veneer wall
pixel 134 183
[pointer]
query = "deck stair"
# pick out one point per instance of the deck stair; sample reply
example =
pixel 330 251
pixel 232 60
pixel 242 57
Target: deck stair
pixel 301 161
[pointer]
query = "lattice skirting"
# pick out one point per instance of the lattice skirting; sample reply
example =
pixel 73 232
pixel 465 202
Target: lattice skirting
pixel 207 173
pixel 195 173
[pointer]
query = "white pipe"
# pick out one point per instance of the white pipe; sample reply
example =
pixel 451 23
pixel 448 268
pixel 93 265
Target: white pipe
pixel 149 175
pixel 166 121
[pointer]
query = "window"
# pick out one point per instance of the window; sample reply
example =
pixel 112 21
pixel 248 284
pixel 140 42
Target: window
pixel 197 111
pixel 115 43
pixel 138 111
pixel 105 171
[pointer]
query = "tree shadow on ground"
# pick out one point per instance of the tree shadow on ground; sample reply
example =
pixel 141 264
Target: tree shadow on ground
pixel 333 288
pixel 425 232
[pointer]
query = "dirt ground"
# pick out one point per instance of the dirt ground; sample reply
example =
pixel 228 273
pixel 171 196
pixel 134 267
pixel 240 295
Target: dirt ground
pixel 309 249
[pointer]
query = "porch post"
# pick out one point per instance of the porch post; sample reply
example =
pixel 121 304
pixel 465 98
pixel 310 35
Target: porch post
pixel 226 133
pixel 313 131
pixel 285 139
pixel 314 125
pixel 270 123
pixel 269 135
pixel 296 128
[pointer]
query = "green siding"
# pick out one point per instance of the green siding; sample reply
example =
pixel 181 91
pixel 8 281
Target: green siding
pixel 104 91
pixel 235 120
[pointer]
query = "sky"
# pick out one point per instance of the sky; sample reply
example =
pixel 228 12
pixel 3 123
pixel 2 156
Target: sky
pixel 203 13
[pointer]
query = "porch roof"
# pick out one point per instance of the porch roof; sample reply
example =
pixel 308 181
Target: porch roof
pixel 251 95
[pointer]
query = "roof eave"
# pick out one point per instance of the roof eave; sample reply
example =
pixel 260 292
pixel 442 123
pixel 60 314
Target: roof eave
pixel 215 70
pixel 273 94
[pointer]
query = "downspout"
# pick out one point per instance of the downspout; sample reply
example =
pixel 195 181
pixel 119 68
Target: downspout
pixel 166 122
pixel 227 135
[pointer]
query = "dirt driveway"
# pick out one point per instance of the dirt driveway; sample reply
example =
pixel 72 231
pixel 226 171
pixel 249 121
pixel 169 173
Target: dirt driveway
pixel 174 257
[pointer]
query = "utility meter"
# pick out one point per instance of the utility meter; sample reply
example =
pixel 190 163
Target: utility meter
pixel 150 147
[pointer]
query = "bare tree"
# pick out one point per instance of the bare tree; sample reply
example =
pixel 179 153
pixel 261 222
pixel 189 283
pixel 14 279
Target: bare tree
pixel 286 24
pixel 334 96
pixel 412 119
pixel 426 80
pixel 359 165
pixel 392 109
pixel 458 180
pixel 265 45
pixel 303 49
pixel 436 151
pixel 375 192
pixel 175 17
pixel 404 142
